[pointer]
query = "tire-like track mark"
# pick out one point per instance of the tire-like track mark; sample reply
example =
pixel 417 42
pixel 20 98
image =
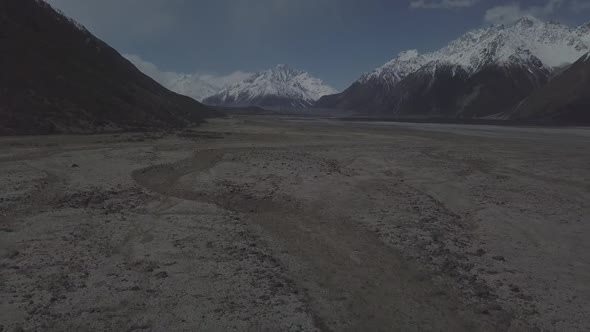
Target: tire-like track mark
pixel 352 280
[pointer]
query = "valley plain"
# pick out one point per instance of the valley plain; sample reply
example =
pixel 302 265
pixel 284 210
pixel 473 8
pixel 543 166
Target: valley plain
pixel 299 224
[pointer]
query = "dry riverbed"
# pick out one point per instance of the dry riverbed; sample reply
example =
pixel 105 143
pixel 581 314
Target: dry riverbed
pixel 263 223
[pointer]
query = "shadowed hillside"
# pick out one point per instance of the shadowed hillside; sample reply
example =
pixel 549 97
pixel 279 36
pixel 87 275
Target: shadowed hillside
pixel 566 98
pixel 58 78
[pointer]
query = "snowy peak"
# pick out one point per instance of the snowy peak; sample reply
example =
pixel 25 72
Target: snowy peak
pixel 552 43
pixel 284 73
pixel 279 86
pixel 527 22
pixel 197 86
pixel 397 69
pixel 583 32
pixel 484 72
pixel 408 55
pixel 240 87
pixel 529 42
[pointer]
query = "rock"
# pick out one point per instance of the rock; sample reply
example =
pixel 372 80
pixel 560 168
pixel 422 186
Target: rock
pixel 487 309
pixel 162 275
pixel 514 288
pixel 480 252
pixel 75 165
pixel 483 310
pixel 499 258
pixel 13 254
pixel 481 290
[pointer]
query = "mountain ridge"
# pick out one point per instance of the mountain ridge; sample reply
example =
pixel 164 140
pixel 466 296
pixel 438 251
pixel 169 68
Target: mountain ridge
pixel 530 48
pixel 59 78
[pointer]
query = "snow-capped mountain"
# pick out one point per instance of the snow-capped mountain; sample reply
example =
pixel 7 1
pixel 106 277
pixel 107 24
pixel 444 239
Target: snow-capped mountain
pixel 196 86
pixel 397 69
pixel 584 33
pixel 527 40
pixel 200 87
pixel 281 86
pixel 495 60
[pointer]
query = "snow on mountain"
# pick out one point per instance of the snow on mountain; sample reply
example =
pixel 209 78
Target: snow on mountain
pixel 200 87
pixel 196 86
pixel 528 41
pixel 584 33
pixel 62 16
pixel 395 70
pixel 484 72
pixel 279 86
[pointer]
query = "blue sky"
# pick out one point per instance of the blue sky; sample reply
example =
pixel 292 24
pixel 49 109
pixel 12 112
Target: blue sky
pixel 335 40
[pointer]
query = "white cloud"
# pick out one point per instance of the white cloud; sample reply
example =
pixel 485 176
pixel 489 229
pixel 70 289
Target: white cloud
pixel 197 86
pixel 504 14
pixel 512 12
pixel 442 4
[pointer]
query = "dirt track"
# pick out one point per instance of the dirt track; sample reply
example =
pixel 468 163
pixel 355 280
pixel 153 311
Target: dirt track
pixel 287 224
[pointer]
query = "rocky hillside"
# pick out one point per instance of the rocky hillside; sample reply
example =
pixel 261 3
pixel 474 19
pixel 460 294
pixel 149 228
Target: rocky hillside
pixel 58 78
pixel 566 98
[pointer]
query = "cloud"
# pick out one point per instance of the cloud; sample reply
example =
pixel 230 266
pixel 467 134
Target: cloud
pixel 442 4
pixel 512 12
pixel 197 86
pixel 504 14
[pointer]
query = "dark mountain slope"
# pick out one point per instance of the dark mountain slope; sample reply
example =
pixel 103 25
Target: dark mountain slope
pixel 430 92
pixel 58 78
pixel 566 98
pixel 366 98
pixel 448 91
pixel 497 89
pixel 443 90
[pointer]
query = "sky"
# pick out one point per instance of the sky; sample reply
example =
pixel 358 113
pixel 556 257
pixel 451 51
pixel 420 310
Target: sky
pixel 334 40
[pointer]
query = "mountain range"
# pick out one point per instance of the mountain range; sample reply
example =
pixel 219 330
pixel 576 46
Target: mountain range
pixel 59 78
pixel 486 73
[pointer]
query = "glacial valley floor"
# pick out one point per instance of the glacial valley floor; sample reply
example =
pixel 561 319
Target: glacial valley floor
pixel 292 224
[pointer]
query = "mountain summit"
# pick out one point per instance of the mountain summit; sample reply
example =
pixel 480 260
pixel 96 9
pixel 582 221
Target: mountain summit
pixel 281 86
pixel 484 72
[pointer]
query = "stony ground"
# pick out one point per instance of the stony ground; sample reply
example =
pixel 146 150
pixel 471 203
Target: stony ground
pixel 300 225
